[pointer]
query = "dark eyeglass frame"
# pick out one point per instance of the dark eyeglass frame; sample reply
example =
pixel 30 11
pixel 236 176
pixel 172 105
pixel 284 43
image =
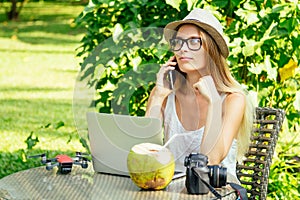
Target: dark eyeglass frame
pixel 187 43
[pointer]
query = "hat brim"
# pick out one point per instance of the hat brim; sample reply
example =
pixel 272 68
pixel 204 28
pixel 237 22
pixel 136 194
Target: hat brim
pixel 170 30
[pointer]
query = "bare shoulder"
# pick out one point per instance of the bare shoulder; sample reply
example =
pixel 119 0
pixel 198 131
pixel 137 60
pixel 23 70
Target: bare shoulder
pixel 236 96
pixel 235 101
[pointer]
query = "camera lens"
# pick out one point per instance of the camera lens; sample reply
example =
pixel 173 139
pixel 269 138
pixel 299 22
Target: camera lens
pixel 222 176
pixel 217 176
pixel 186 161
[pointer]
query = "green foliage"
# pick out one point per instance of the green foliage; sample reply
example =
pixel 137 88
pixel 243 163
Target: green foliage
pixel 14 161
pixel 36 84
pixel 284 179
pixel 121 52
pixel 32 140
pixel 125 38
pixel 18 160
pixel 257 32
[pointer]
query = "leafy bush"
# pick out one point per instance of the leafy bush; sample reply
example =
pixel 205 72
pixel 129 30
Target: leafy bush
pixel 16 161
pixel 263 39
pixel 284 176
pixel 122 49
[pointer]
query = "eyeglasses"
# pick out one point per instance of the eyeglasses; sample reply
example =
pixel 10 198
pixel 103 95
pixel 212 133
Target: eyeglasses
pixel 193 44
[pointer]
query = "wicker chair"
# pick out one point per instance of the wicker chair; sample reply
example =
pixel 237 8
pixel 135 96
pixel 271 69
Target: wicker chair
pixel 254 171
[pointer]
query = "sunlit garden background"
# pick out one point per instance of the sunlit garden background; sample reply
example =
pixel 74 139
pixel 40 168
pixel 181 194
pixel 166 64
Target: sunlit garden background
pixel 46 45
pixel 38 70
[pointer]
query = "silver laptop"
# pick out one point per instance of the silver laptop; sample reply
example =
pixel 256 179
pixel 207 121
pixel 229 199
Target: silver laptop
pixel 112 136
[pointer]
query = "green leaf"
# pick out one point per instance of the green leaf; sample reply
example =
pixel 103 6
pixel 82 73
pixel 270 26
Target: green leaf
pixel 278 8
pixel 248 50
pixel 84 144
pixel 267 33
pixel 250 5
pixel 249 16
pixel 117 31
pixel 31 141
pixel 59 124
pixel 297 101
pixel 70 139
pixel 46 126
pixel 220 3
pixel 235 3
pixel 271 71
pixel 289 24
pixel 252 18
pixel 136 61
pixel 251 46
pixel 191 4
pixel 174 3
pixel 256 69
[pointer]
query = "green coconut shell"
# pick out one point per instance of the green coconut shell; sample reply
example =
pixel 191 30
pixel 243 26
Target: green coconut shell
pixel 153 170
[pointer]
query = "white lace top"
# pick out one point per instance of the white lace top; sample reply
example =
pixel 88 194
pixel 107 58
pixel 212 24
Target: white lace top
pixel 182 142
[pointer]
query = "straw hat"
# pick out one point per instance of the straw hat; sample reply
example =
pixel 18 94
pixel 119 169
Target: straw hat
pixel 204 20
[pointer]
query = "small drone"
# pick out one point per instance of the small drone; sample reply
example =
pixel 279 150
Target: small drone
pixel 63 162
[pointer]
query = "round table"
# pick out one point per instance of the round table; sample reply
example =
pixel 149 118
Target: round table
pixel 38 183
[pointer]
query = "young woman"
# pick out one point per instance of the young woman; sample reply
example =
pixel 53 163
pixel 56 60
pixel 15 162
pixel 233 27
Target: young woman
pixel 206 111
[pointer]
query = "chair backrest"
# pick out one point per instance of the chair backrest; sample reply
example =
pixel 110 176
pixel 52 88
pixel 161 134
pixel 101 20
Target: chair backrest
pixel 254 172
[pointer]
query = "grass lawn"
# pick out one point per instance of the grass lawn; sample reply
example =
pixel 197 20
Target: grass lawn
pixel 38 70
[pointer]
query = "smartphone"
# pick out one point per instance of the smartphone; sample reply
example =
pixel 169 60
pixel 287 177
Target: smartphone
pixel 171 76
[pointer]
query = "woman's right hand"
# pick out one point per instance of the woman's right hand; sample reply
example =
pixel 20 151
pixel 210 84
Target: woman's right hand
pixel 161 80
pixel 162 89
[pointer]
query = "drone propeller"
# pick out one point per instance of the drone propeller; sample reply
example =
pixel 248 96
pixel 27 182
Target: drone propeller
pixel 52 160
pixel 36 156
pixel 80 154
pixel 43 157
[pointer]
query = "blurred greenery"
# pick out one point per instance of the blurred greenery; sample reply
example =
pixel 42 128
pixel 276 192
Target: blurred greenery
pixel 13 8
pixel 123 40
pixel 38 72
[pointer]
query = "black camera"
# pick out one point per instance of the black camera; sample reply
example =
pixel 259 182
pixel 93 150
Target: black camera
pixel 200 176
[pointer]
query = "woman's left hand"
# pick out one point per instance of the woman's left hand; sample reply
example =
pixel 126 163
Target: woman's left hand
pixel 207 87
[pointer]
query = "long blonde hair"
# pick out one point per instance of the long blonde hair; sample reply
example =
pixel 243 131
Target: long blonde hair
pixel 225 83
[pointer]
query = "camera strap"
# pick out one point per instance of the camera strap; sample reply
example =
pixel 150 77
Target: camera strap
pixel 242 192
pixel 197 172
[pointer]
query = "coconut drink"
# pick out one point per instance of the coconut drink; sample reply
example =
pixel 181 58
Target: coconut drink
pixel 151 166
